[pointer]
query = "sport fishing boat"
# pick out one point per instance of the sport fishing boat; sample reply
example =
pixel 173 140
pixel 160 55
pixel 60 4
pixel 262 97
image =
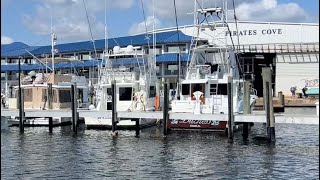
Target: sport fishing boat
pixel 135 87
pixel 204 89
pixel 35 86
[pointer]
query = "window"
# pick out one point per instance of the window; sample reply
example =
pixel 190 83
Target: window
pixel 185 89
pixel 125 94
pixel 222 89
pixel 152 92
pixel 197 87
pixel 64 96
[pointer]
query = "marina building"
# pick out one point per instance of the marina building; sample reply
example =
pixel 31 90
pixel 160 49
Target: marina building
pixel 291 49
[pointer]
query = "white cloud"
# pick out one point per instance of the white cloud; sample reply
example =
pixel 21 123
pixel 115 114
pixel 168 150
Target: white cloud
pixel 141 27
pixel 69 18
pixel 271 10
pixel 6 40
pixel 259 10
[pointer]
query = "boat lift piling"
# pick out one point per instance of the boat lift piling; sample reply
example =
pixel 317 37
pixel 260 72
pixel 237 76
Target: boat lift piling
pixel 114 107
pixel 21 102
pixel 137 127
pixel 246 108
pixel 281 98
pixel 165 109
pixel 230 109
pixel 268 103
pixel 50 105
pixel 21 110
pixel 74 106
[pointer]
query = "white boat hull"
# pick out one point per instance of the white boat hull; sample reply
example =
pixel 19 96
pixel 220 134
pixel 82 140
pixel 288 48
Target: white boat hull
pixel 106 123
pixel 56 121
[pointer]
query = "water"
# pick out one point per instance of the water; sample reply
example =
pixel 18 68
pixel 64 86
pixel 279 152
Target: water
pixel 182 155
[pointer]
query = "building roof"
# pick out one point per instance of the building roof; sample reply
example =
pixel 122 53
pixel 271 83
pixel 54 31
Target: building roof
pixel 169 57
pixel 84 46
pixel 15 49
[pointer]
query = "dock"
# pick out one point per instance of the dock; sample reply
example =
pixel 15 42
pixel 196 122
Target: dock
pixel 255 117
pixel 247 117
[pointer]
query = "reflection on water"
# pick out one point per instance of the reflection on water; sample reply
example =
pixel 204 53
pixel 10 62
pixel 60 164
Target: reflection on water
pixel 96 155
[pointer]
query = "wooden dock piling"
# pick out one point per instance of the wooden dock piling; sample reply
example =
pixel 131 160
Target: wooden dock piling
pixel 268 103
pixel 137 127
pixel 21 101
pixel 281 98
pixel 165 109
pixel 114 106
pixel 74 108
pixel 230 109
pixel 246 108
pixel 50 105
pixel 21 110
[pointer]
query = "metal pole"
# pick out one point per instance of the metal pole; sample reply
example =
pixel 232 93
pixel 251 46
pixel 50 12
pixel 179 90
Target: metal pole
pixel 114 106
pixel 165 109
pixel 230 109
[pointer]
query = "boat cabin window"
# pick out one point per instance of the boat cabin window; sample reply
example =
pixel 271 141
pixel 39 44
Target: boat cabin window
pixel 222 89
pixel 185 89
pixel 197 87
pixel 65 96
pixel 125 93
pixel 152 92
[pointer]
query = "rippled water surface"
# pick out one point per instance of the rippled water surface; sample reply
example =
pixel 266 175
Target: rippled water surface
pixel 182 155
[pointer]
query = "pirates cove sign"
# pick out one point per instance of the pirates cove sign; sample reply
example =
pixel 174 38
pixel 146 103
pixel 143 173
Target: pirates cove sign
pixel 255 32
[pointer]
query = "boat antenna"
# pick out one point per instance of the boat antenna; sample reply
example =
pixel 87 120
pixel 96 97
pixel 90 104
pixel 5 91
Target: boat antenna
pixel 179 53
pixel 91 35
pixel 53 42
pixel 238 47
pixel 147 36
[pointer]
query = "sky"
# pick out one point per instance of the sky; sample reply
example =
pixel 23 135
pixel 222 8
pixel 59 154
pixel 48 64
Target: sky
pixel 29 21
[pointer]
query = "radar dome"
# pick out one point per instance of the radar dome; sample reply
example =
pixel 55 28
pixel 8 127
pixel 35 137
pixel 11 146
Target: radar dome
pixel 116 50
pixel 32 73
pixel 129 49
